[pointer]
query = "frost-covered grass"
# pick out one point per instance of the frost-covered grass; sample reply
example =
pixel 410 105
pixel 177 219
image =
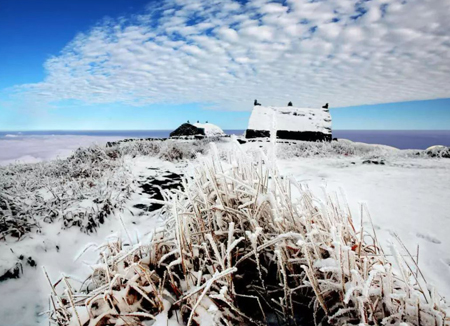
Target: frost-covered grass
pixel 243 245
pixel 170 150
pixel 341 148
pixel 81 190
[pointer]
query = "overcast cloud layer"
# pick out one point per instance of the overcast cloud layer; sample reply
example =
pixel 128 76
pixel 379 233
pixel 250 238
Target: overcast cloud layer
pixel 226 54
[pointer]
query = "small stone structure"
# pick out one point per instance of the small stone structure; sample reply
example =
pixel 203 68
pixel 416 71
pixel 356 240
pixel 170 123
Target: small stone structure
pixel 290 123
pixel 197 131
pixel 186 129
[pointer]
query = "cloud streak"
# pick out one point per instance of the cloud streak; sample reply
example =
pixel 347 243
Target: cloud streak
pixel 225 54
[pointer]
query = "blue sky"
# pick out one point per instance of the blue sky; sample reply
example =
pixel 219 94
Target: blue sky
pixel 152 65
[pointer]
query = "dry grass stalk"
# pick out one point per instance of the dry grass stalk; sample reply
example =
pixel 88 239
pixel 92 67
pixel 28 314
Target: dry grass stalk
pixel 239 248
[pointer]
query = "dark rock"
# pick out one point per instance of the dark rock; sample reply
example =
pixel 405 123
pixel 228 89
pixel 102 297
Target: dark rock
pixel 325 106
pixel 290 104
pixel 256 103
pixel 374 161
pixel 438 151
pixel 13 272
pixel 187 129
pixel 142 207
pixel 335 139
pixel 241 141
pixel 153 185
pixel 31 262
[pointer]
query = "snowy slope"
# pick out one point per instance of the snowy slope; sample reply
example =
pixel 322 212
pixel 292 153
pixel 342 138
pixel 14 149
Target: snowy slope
pixel 409 197
pixel 211 130
pixel 290 118
pixel 57 250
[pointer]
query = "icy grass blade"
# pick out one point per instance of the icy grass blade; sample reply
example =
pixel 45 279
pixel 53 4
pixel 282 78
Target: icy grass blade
pixel 236 232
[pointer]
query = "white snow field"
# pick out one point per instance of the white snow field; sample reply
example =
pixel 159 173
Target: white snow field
pixel 407 195
pixel 410 197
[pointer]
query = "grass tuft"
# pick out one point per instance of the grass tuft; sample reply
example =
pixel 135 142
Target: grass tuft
pixel 244 245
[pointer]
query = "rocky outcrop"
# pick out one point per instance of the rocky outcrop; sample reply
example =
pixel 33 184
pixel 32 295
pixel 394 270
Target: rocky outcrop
pixel 186 129
pixel 438 151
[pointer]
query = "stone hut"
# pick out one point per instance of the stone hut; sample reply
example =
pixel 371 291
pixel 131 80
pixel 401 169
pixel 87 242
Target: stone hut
pixel 291 123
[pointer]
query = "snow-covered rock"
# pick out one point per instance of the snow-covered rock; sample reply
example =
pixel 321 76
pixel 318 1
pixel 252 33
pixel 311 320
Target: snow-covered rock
pixel 290 122
pixel 438 151
pixel 211 130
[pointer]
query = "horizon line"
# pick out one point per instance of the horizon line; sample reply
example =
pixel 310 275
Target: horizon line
pixel 58 130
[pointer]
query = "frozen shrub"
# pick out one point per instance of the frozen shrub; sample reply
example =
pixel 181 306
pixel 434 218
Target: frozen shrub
pixel 32 194
pixel 170 150
pixel 239 248
pixel 46 192
pixel 179 150
pixel 138 147
pixel 341 148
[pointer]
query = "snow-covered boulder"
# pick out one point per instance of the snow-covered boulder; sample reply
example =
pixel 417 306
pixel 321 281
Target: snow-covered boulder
pixel 290 123
pixel 438 151
pixel 210 130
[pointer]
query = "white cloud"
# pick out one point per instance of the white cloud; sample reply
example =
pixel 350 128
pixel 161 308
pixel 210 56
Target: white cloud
pixel 273 8
pixel 228 34
pixel 226 54
pixel 261 33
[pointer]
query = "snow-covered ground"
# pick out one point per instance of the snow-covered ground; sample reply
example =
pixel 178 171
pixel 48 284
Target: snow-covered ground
pixel 407 196
pixel 410 197
pixel 24 299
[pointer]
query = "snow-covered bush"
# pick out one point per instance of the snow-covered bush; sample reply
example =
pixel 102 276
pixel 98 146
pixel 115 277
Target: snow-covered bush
pixel 169 150
pixel 243 245
pixel 81 191
pixel 286 150
pixel 179 150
